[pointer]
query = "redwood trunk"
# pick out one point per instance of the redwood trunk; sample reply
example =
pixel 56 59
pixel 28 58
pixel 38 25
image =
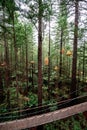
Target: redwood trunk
pixel 40 57
pixel 74 61
pixel 49 64
pixel 61 44
pixel 15 52
pixel 26 59
pixel 40 54
pixel 6 60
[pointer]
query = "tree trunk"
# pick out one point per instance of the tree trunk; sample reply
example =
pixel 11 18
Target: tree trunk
pixel 6 61
pixel 15 53
pixel 26 59
pixel 83 74
pixel 49 64
pixel 61 44
pixel 40 58
pixel 40 54
pixel 74 60
pixel 1 87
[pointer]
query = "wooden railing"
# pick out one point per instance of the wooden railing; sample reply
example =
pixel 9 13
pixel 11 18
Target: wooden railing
pixel 44 118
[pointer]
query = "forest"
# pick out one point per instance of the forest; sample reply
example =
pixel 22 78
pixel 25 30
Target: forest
pixel 43 58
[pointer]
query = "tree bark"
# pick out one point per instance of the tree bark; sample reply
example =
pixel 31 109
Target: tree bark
pixel 49 64
pixel 40 82
pixel 74 60
pixel 6 60
pixel 26 59
pixel 61 44
pixel 15 52
pixel 40 54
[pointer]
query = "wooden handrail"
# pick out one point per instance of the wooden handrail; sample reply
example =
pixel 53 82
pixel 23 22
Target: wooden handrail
pixel 43 118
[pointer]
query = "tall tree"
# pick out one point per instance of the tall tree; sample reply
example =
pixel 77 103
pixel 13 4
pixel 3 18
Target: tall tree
pixel 49 62
pixel 74 61
pixel 40 82
pixel 6 58
pixel 62 30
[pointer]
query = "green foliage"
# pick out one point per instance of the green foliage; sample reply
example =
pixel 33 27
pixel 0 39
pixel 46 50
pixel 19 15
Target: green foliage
pixel 33 99
pixel 53 107
pixel 70 123
pixel 76 124
pixel 3 108
pixel 50 127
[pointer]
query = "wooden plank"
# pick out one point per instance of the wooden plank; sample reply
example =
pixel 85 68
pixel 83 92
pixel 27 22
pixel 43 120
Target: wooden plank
pixel 43 118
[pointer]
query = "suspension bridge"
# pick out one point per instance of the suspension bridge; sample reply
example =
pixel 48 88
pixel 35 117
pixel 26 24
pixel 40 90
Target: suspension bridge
pixel 65 109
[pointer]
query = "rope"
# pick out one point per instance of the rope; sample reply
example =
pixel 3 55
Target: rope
pixel 37 107
pixel 50 106
pixel 45 109
pixel 43 105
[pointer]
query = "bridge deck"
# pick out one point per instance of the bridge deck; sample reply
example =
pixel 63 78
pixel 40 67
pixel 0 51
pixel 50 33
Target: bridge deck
pixel 43 118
